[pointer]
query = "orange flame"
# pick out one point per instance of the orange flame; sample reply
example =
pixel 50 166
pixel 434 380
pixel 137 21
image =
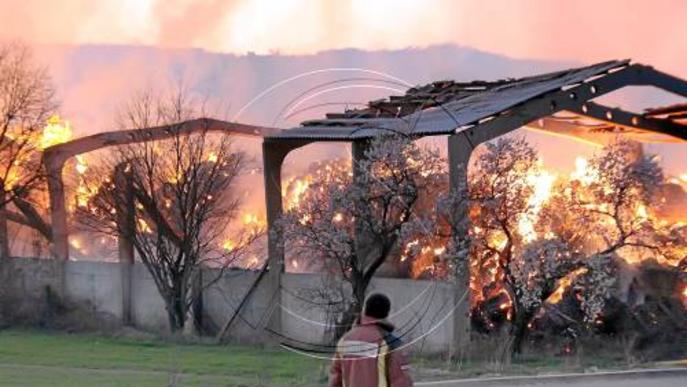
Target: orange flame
pixel 55 132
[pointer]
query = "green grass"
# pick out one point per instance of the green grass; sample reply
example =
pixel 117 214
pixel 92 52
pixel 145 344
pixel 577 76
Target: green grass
pixel 40 358
pixel 590 356
pixel 59 359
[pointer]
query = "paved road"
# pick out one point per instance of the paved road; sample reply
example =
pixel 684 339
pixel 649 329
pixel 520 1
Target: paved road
pixel 639 382
pixel 667 378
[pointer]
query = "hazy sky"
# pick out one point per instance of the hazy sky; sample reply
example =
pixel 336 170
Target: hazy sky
pixel 650 31
pixel 93 81
pixel 579 31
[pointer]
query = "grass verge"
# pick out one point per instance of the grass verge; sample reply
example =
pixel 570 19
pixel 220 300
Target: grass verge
pixel 60 359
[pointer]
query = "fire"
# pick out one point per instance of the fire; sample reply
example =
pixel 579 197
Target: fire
pixel 583 173
pixel 408 248
pixel 229 245
pixel 251 219
pixel 55 132
pixel 76 243
pixel 328 172
pixel 12 179
pixel 497 240
pixel 641 212
pixel 542 183
pixel 143 226
pixel 81 165
pixel 563 285
pixel 299 188
pixel 253 224
pixel 84 192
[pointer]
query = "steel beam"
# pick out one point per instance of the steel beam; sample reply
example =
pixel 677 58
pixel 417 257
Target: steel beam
pixel 648 76
pixel 620 117
pixel 570 98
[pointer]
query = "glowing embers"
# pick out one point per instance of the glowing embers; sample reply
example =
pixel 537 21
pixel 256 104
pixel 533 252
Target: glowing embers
pixel 564 284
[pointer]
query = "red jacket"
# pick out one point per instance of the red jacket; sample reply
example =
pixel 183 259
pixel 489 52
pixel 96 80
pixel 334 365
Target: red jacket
pixel 369 355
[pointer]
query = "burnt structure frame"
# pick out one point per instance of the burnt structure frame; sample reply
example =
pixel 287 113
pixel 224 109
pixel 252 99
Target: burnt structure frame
pixel 462 141
pixel 463 137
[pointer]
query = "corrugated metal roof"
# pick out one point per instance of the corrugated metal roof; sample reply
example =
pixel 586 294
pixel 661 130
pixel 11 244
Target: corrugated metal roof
pixel 439 108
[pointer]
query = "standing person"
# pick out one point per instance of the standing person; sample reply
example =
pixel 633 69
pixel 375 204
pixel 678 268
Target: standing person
pixel 369 355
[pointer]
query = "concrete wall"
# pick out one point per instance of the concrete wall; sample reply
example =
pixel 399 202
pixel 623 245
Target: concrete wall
pixel 421 310
pixel 222 298
pixel 148 307
pixel 30 277
pixel 95 284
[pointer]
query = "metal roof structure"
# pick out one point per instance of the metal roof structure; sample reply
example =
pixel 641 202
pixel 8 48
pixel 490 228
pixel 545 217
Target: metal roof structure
pixel 676 113
pixel 447 107
pixel 468 112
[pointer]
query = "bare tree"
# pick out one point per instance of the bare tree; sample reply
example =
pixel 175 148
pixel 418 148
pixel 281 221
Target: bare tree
pixel 354 225
pixel 26 101
pixel 185 200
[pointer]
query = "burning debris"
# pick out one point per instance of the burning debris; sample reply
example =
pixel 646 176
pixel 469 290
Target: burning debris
pixel 542 242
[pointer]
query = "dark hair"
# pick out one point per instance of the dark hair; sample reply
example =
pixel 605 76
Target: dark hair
pixel 377 306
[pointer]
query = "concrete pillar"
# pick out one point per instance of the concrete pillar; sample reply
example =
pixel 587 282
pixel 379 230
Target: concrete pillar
pixel 459 151
pixel 273 155
pixel 58 223
pixel 197 305
pixel 126 219
pixel 363 244
pixel 58 211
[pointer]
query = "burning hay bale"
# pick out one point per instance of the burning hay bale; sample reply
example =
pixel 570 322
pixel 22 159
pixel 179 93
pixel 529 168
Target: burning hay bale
pixel 549 253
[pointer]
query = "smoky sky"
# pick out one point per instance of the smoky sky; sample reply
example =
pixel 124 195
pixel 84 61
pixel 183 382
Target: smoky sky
pixel 100 52
pixel 583 30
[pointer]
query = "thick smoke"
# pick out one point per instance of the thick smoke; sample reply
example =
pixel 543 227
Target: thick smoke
pixel 585 30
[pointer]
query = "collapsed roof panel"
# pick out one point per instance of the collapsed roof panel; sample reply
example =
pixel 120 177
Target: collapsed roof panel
pixel 441 107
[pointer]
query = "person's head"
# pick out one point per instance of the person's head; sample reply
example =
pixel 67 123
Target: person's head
pixel 377 306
